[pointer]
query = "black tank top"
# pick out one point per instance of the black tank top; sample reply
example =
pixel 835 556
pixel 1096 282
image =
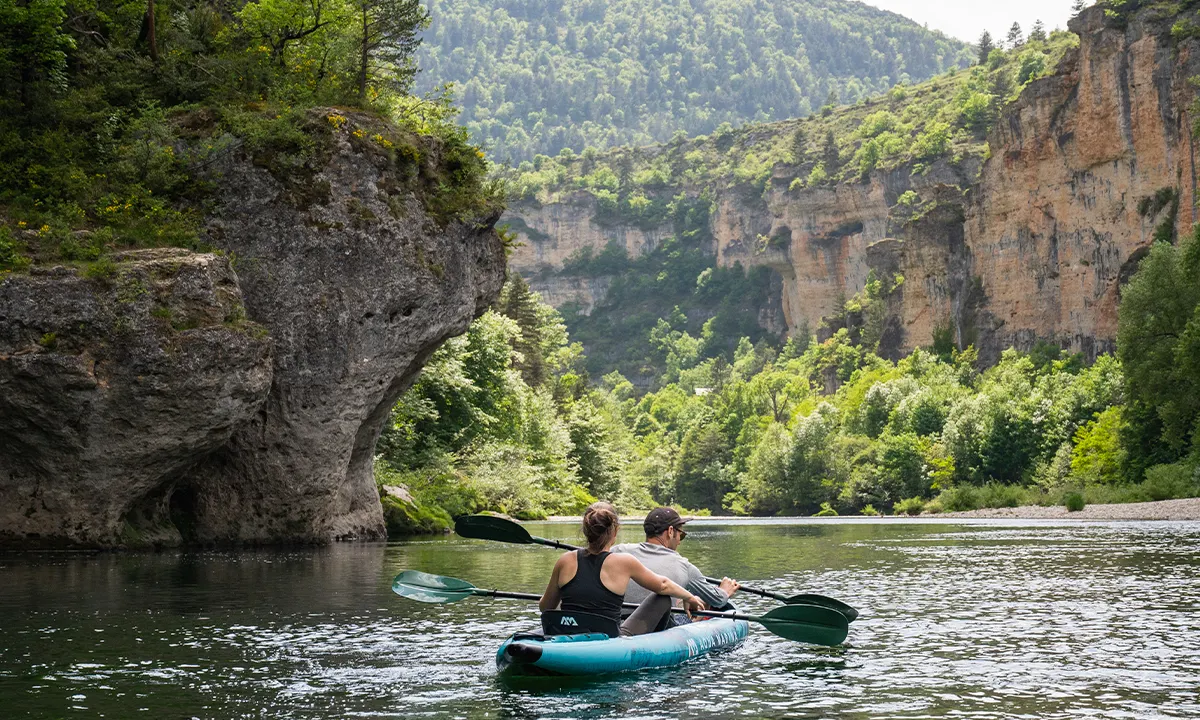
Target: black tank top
pixel 586 592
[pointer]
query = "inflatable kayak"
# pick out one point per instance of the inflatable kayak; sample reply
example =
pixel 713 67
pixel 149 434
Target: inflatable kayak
pixel 598 654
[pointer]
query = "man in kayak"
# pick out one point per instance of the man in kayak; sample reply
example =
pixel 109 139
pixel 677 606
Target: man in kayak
pixel 593 581
pixel 664 531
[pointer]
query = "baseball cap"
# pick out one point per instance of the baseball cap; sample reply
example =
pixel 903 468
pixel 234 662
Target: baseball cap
pixel 660 519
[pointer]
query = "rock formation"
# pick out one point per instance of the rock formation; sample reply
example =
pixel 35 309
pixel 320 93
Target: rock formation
pixel 110 386
pixel 1032 245
pixel 167 399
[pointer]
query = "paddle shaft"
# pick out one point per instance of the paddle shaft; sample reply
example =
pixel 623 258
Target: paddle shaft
pixel 712 581
pixel 631 606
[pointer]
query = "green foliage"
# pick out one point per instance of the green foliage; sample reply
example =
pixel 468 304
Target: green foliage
pixel 1073 501
pixel 1158 341
pixel 1098 455
pixel 540 76
pixel 110 116
pixel 910 506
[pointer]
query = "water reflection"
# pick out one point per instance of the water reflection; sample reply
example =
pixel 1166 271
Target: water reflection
pixel 986 620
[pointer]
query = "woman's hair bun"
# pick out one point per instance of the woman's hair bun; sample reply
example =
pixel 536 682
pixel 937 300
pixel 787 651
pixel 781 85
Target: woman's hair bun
pixel 599 521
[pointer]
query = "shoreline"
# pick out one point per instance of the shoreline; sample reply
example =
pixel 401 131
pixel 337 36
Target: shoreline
pixel 1184 509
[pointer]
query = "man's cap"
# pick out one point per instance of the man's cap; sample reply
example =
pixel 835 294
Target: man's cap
pixel 660 519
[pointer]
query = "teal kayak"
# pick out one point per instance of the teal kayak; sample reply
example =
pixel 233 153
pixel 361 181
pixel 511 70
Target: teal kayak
pixel 598 654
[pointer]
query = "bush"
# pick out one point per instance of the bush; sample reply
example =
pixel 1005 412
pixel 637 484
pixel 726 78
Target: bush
pixel 1177 480
pixel 1073 501
pixel 870 510
pixel 997 495
pixel 826 511
pixel 959 498
pixel 910 506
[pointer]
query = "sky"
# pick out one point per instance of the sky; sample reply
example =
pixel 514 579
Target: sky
pixel 966 19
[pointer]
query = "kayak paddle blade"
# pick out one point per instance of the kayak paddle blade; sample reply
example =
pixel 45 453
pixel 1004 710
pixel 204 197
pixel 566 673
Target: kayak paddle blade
pixel 823 601
pixel 490 527
pixel 807 623
pixel 429 588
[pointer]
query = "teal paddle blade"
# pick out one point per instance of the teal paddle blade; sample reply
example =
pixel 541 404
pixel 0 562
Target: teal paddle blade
pixel 429 588
pixel 488 527
pixel 807 623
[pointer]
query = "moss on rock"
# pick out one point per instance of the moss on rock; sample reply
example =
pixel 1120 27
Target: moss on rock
pixel 403 515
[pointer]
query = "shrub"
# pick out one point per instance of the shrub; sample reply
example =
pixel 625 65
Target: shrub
pixel 1073 501
pixel 909 506
pixel 1177 480
pixel 870 511
pixel 934 507
pixel 826 510
pixel 997 495
pixel 959 498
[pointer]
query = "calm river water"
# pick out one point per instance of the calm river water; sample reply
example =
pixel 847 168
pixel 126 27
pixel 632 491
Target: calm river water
pixel 979 620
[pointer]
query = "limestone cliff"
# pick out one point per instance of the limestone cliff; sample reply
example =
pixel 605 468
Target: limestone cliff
pixel 237 398
pixel 1028 241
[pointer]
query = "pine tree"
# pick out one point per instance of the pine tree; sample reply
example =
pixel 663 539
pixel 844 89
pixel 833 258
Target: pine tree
pixel 830 155
pixel 520 303
pixel 1038 33
pixel 387 33
pixel 986 46
pixel 1015 39
pixel 799 146
pixel 1078 6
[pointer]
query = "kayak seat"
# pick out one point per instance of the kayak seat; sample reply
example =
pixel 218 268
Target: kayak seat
pixel 569 622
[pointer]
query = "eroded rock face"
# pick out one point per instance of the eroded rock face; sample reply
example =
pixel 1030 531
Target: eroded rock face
pixel 1034 245
pixel 111 386
pixel 1060 216
pixel 357 284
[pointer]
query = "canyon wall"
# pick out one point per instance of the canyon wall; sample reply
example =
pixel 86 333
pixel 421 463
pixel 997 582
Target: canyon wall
pixel 1030 244
pixel 181 397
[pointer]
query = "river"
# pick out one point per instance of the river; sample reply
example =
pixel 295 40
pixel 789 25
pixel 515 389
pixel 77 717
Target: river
pixel 979 619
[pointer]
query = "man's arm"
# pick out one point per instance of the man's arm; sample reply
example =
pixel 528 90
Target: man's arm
pixel 713 596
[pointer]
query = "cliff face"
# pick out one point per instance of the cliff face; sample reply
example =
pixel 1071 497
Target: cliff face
pixel 112 385
pixel 1061 215
pixel 176 401
pixel 1031 244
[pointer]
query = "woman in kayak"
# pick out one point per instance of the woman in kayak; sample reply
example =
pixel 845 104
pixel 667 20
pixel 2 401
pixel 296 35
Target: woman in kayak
pixel 592 580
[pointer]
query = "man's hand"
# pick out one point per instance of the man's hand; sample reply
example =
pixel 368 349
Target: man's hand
pixel 691 604
pixel 730 586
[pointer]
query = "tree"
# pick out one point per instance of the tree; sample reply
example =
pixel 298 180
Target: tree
pixel 1015 39
pixel 986 46
pixel 33 54
pixel 799 146
pixel 1038 33
pixel 387 38
pixel 1158 342
pixel 520 303
pixel 830 156
pixel 1077 6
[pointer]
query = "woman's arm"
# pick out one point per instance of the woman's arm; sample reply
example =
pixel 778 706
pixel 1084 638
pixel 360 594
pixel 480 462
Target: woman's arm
pixel 550 598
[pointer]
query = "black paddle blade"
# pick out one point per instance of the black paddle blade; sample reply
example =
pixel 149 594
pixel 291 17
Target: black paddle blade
pixel 807 623
pixel 425 587
pixel 490 527
pixel 823 601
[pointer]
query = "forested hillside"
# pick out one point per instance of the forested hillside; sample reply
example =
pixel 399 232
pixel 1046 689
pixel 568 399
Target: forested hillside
pixel 541 75
pixel 675 189
pixel 505 419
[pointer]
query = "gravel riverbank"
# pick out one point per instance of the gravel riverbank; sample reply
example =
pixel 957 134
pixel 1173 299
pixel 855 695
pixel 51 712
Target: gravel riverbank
pixel 1188 509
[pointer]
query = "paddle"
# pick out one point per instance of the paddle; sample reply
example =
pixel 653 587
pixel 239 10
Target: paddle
pixel 801 623
pixel 490 527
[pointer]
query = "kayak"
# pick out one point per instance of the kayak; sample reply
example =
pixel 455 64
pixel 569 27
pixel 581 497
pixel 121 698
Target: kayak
pixel 598 654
